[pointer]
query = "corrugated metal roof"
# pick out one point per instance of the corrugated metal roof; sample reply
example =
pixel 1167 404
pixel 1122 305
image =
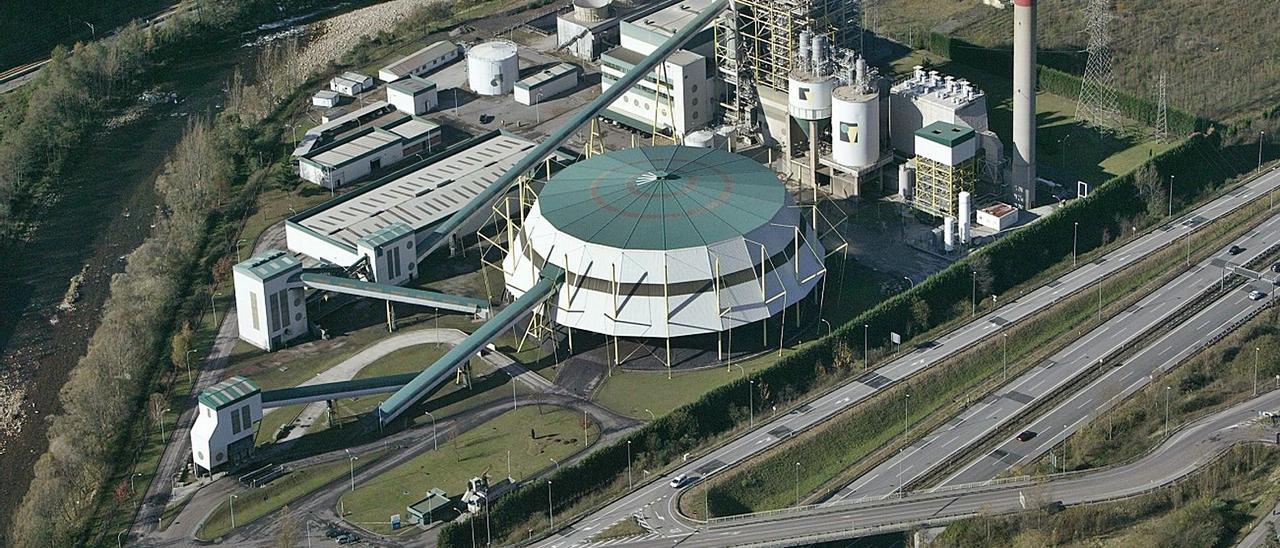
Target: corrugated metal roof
pixel 548 75
pixel 412 85
pixel 268 264
pixel 945 134
pixel 423 196
pixel 386 235
pixel 416 59
pixel 346 151
pixel 228 392
pixel 668 197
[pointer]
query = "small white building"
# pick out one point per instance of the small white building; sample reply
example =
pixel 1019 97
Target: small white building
pixel 421 62
pixel 363 83
pixel 270 299
pixel 548 83
pixel 392 257
pixel 326 98
pixel 344 86
pixel 413 95
pixel 998 216
pixel 368 150
pixel 226 417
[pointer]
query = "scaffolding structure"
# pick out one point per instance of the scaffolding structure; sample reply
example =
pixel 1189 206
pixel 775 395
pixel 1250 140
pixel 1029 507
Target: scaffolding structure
pixel 938 185
pixel 755 44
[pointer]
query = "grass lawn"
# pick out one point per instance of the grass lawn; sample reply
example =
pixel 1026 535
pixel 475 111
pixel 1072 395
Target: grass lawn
pixel 255 503
pixel 479 451
pixel 631 392
pixel 626 528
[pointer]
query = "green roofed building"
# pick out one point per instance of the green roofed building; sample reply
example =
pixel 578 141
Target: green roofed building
pixel 946 165
pixel 224 430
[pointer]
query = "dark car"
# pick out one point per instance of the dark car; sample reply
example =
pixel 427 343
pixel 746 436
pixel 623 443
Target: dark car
pixel 1275 267
pixel 1026 435
pixel 349 538
pixel 1235 250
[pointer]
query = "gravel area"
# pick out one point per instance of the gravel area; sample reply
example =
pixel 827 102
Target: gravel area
pixel 334 37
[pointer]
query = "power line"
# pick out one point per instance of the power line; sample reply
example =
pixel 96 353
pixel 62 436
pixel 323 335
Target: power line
pixel 1162 114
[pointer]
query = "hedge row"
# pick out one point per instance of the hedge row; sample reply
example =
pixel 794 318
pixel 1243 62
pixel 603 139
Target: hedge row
pixel 1060 82
pixel 1014 259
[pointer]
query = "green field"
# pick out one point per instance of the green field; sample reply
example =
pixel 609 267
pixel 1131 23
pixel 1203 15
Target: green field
pixel 482 450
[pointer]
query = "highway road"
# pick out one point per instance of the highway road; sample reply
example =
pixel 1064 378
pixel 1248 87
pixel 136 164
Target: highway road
pixel 1187 450
pixel 656 502
pixel 1011 401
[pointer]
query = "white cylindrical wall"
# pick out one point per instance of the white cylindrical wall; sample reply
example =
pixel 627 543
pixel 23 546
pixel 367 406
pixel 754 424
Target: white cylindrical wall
pixel 964 199
pixel 906 177
pixel 809 97
pixel 493 67
pixel 949 234
pixel 855 127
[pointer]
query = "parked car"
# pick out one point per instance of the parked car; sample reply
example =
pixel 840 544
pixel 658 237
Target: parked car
pixel 348 538
pixel 1235 250
pixel 1256 295
pixel 678 481
pixel 1275 267
pixel 1026 436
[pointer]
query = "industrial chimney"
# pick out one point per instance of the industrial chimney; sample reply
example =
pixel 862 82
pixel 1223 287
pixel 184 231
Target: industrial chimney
pixel 1024 102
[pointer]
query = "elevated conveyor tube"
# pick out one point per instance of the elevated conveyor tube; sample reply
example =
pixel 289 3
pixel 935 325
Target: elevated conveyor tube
pixel 395 293
pixel 432 376
pixel 481 203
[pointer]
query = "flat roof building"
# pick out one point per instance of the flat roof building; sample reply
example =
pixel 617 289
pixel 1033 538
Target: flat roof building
pixel 420 62
pixel 413 95
pixel 419 196
pixel 547 83
pixel 367 151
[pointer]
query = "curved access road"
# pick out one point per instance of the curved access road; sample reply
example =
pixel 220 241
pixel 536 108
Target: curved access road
pixel 1186 451
pixel 655 502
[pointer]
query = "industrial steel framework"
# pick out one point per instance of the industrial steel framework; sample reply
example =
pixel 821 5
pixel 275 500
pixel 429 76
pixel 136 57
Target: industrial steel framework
pixel 938 185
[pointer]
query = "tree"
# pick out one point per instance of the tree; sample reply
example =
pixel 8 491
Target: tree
pixel 981 266
pixel 842 356
pixel 919 315
pixel 1151 189
pixel 221 270
pixel 180 345
pixel 121 492
pixel 287 535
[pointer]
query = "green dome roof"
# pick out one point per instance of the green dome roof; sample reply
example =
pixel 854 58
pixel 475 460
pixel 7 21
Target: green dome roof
pixel 668 197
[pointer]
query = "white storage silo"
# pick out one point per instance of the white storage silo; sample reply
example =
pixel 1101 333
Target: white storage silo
pixel 493 67
pixel 703 138
pixel 855 124
pixel 809 96
pixel 966 214
pixel 949 234
pixel 905 176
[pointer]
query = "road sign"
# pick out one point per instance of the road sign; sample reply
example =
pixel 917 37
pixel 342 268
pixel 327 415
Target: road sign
pixel 896 338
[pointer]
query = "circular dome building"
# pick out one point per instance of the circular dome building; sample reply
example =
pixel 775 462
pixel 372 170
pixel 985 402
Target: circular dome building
pixel 666 242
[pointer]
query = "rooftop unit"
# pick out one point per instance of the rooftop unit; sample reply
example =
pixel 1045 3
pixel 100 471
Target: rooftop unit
pixel 929 96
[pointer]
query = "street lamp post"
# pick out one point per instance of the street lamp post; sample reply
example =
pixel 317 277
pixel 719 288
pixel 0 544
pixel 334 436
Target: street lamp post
pixel 1171 177
pixel 187 358
pixel 1005 344
pixel 537 113
pixel 797 483
pixel 828 324
pixel 435 440
pixel 133 489
pixel 551 513
pixel 513 389
pixel 120 543
pixel 1075 232
pixel 751 404
pixel 1167 389
pixel 1261 135
pixel 238 244
pixel 352 460
pixel 973 302
pixel 630 486
pixel 556 462
pixel 214 306
pixel 652 417
pixel 866 348
pixel 231 501
pixel 1255 371
pixel 912 284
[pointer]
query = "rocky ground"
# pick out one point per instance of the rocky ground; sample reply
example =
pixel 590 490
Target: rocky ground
pixel 334 37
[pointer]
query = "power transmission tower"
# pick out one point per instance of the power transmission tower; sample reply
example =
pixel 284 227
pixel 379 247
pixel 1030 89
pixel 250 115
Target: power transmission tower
pixel 1097 103
pixel 1162 114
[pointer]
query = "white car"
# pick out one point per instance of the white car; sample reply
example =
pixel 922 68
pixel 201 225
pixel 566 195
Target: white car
pixel 1256 295
pixel 678 481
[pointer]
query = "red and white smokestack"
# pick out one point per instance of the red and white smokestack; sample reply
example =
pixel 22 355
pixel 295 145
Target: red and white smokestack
pixel 1024 102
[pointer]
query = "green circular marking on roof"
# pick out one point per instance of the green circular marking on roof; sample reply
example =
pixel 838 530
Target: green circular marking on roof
pixel 668 197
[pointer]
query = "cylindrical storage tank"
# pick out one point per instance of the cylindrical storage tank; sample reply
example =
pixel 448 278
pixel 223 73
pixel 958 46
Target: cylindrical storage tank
pixel 964 199
pixel 703 138
pixel 802 57
pixel 591 10
pixel 809 96
pixel 906 178
pixel 949 234
pixel 819 53
pixel 493 67
pixel 855 125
